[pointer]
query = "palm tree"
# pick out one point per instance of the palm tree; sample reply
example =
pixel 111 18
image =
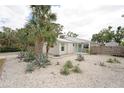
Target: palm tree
pixel 41 19
pixel 51 35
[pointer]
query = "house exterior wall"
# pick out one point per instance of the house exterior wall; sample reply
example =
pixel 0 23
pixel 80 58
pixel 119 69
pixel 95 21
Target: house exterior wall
pixel 71 48
pixel 65 48
pixel 53 50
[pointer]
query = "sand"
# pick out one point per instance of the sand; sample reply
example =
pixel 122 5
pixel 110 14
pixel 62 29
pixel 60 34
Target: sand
pixel 93 75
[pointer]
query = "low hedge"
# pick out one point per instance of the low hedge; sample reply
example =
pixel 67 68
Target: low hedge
pixel 9 49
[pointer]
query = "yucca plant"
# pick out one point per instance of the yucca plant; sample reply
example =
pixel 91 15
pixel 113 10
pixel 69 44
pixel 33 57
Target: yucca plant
pixel 29 56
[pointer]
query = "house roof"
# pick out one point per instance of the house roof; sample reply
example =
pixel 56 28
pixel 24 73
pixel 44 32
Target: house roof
pixel 72 40
pixel 77 40
pixel 112 43
pixel 63 40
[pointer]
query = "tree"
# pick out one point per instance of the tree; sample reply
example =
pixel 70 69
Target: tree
pixel 41 25
pixel 8 37
pixel 119 35
pixel 51 35
pixel 122 42
pixel 105 35
pixel 24 38
pixel 72 34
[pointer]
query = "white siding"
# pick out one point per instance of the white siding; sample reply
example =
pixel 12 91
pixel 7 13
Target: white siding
pixel 65 48
pixel 71 48
pixel 68 48
pixel 53 50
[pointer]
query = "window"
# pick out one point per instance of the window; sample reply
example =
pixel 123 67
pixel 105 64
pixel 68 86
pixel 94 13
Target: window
pixel 62 46
pixel 73 44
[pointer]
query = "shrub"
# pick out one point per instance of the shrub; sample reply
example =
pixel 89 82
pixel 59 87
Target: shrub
pixel 9 49
pixel 76 69
pixel 68 67
pixel 80 57
pixel 116 61
pixel 110 60
pixel 68 64
pixel 113 60
pixel 30 67
pixel 57 63
pixel 65 71
pixel 42 61
pixel 29 56
pixel 102 64
pixel 21 55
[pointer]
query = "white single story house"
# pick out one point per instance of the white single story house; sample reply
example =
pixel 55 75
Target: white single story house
pixel 68 45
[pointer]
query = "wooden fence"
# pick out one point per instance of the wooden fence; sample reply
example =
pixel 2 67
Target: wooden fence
pixel 108 50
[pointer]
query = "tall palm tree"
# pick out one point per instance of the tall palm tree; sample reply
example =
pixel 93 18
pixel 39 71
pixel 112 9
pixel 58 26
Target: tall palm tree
pixel 51 35
pixel 41 18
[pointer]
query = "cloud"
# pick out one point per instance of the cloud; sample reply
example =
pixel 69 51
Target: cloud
pixel 84 19
pixel 14 16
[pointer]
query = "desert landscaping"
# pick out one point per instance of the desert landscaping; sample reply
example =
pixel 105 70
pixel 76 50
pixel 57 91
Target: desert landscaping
pixel 93 73
pixel 41 51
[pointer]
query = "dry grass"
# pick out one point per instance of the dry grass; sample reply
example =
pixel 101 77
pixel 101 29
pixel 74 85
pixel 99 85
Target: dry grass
pixel 2 61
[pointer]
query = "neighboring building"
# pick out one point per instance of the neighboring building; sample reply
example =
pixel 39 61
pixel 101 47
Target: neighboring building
pixel 112 43
pixel 67 45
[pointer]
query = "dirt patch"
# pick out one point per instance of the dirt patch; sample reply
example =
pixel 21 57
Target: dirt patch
pixel 94 73
pixel 2 61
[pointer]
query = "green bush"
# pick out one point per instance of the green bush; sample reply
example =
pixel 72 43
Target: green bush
pixel 76 69
pixel 102 64
pixel 116 61
pixel 65 71
pixel 68 67
pixel 29 56
pixel 68 64
pixel 80 57
pixel 9 49
pixel 110 60
pixel 113 60
pixel 42 61
pixel 21 55
pixel 30 67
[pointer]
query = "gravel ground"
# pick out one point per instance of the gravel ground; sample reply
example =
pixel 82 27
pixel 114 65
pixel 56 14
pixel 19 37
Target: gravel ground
pixel 93 75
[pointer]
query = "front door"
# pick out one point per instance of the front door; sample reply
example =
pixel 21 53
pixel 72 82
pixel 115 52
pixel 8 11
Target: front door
pixel 79 48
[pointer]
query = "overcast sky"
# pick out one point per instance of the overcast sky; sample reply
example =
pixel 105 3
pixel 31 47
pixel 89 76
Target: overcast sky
pixel 81 19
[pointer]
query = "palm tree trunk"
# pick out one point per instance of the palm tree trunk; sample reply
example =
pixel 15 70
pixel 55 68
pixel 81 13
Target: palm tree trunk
pixel 38 48
pixel 47 50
